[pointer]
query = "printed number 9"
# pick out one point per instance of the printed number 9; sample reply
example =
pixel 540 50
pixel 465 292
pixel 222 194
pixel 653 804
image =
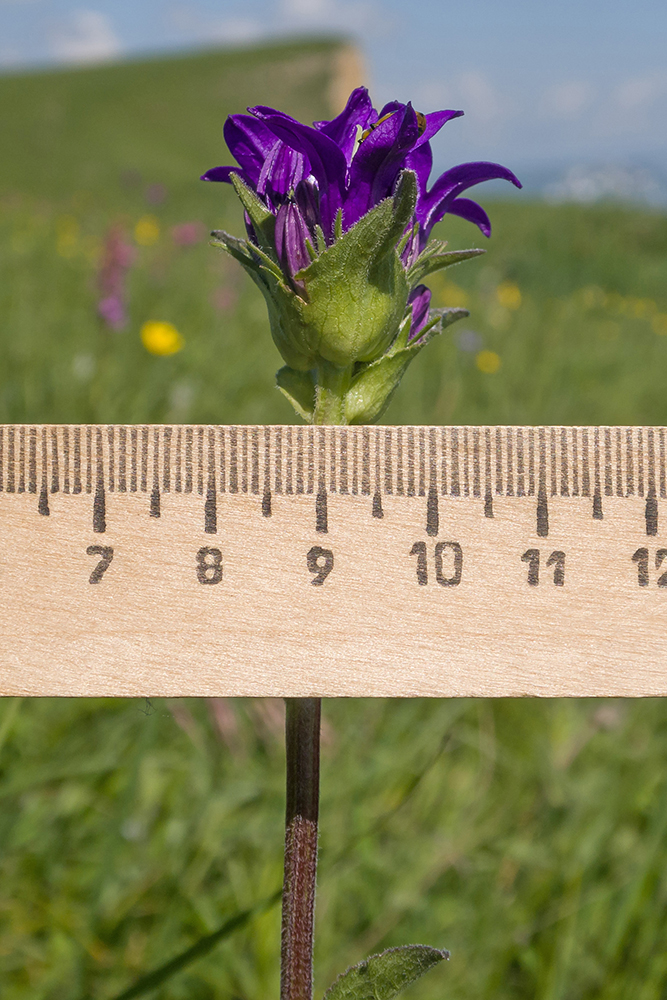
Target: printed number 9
pixel 320 561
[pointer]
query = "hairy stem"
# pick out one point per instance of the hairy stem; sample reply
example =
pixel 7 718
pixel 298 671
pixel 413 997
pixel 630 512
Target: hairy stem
pixel 302 740
pixel 331 385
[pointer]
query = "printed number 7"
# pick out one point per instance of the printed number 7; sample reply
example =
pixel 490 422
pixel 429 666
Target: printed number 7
pixel 106 553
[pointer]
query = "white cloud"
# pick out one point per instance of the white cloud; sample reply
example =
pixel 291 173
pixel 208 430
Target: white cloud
pixel 86 37
pixel 639 92
pixel 193 23
pixel 333 14
pixel 10 57
pixel 568 99
pixel 471 92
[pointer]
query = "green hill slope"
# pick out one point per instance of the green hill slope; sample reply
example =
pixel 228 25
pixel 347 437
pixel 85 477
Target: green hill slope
pixel 82 129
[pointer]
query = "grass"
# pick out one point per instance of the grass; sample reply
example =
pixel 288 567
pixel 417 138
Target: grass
pixel 528 837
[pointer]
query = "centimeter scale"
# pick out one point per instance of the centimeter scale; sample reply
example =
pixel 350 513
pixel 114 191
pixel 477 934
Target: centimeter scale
pixel 333 561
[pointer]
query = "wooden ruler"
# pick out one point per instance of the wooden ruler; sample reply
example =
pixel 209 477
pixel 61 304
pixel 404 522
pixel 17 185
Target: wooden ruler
pixel 383 561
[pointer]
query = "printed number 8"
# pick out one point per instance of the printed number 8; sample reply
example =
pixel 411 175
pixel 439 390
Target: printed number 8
pixel 209 565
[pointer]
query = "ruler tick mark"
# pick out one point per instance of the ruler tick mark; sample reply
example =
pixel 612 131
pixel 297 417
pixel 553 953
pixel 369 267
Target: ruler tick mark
pixel 99 509
pixel 43 502
pixel 651 514
pixel 542 514
pixel 321 518
pixel 377 504
pixel 266 503
pixel 597 505
pixel 432 518
pixel 210 511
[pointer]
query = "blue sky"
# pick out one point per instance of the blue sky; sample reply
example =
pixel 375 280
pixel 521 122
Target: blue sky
pixel 541 83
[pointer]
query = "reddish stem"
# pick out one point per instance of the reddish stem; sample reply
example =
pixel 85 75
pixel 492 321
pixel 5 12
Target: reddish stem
pixel 302 741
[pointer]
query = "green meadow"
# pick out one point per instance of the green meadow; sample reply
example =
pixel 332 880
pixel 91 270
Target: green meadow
pixel 528 837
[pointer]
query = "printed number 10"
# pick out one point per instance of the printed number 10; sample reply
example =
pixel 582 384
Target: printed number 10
pixel 441 550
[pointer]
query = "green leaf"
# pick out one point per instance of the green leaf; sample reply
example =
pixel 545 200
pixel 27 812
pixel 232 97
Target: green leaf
pixel 384 976
pixel 440 319
pixel 356 290
pixel 247 254
pixel 434 258
pixel 263 221
pixel 157 977
pixel 374 384
pixel 299 388
pixel 405 200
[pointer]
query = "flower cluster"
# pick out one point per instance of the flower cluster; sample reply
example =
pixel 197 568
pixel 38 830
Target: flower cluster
pixel 338 217
pixel 117 258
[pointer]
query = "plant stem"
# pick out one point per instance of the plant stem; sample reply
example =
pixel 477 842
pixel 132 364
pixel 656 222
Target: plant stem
pixel 302 744
pixel 331 385
pixel 302 741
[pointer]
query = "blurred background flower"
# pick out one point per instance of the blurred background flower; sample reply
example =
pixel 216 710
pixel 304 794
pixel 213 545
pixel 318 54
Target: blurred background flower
pixel 161 338
pixel 117 258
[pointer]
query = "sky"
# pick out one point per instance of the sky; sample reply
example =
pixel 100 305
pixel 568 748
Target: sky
pixel 541 83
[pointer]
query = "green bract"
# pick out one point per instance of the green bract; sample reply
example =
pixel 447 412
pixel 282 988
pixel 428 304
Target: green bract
pixel 342 323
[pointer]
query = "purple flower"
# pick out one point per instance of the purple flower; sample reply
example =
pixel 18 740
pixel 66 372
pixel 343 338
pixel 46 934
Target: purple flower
pixel 349 165
pixel 117 258
pixel 420 300
pixel 112 310
pixel 338 217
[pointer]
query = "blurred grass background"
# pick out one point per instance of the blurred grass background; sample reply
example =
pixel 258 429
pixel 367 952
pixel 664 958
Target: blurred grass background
pixel 528 837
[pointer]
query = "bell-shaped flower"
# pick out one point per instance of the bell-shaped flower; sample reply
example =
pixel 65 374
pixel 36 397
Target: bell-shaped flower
pixel 339 216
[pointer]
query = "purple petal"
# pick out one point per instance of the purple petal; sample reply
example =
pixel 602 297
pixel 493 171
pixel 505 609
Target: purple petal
pixel 343 130
pixel 224 174
pixel 421 161
pixel 420 300
pixel 391 108
pixel 456 180
pixel 112 311
pixel 291 234
pixel 307 197
pixel 326 158
pixel 281 172
pixel 434 122
pixel 378 162
pixel 327 162
pixel 472 212
pixel 250 142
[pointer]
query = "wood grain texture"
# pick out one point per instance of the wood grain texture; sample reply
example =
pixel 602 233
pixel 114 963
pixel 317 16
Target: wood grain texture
pixel 301 561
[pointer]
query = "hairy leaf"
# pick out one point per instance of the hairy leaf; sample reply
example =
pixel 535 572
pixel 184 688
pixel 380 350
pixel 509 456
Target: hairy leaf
pixel 433 258
pixel 384 976
pixel 299 388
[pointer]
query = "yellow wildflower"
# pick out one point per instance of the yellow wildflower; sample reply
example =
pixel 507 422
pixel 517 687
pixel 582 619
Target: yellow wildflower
pixel 67 236
pixel 161 338
pixel 147 231
pixel 659 323
pixel 488 362
pixel 450 295
pixel 509 295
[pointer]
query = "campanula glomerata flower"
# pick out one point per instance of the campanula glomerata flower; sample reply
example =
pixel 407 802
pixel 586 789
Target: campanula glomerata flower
pixel 338 219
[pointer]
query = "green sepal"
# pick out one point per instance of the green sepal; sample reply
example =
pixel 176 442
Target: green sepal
pixel 434 257
pixel 263 221
pixel 289 333
pixel 357 288
pixel 299 388
pixel 444 318
pixel 406 238
pixel 374 385
pixel 236 248
pixel 384 976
